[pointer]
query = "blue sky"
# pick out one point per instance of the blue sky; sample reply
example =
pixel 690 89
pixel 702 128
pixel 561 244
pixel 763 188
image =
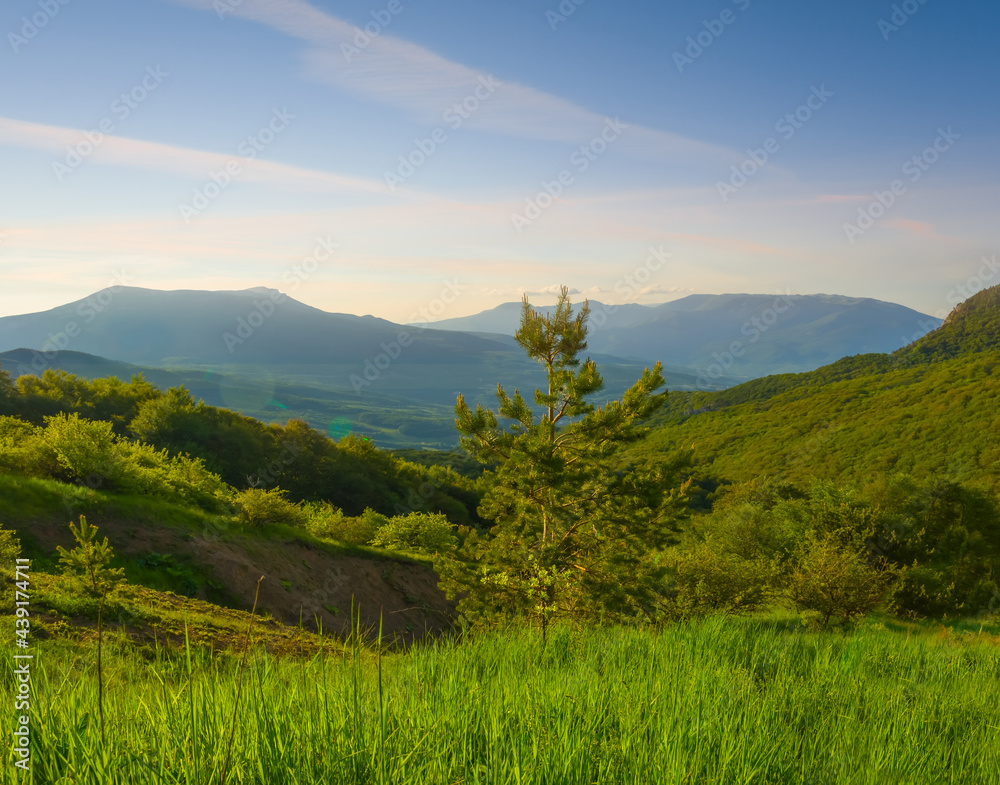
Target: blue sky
pixel 497 148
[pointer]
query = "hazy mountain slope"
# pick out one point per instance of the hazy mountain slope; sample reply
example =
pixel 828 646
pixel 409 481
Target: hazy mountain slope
pixel 251 326
pixel 506 318
pixel 740 335
pixel 271 338
pixel 393 383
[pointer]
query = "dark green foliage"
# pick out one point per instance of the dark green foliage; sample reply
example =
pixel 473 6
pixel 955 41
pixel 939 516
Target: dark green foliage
pixel 234 446
pixel 174 573
pixel 947 537
pixel 575 532
pixel 7 393
pixel 928 548
pixel 108 399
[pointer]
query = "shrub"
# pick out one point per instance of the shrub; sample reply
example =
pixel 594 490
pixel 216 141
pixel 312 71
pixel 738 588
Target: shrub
pixel 325 520
pixel 421 531
pixel 256 506
pixel 835 580
pixel 709 578
pixel 141 468
pixel 84 448
pixel 23 450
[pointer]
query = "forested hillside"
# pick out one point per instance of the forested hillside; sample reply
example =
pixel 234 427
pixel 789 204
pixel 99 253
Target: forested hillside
pixel 929 409
pixel 241 451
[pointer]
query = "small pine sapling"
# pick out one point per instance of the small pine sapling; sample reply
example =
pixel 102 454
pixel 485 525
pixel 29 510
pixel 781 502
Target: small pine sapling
pixel 89 564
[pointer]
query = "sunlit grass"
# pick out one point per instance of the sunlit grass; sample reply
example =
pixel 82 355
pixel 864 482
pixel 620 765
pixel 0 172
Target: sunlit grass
pixel 716 701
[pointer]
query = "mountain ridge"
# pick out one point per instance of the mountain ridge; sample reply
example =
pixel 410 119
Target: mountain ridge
pixel 742 335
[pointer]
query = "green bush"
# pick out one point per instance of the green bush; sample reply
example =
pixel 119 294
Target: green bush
pixel 926 590
pixel 707 577
pixel 421 531
pixel 141 468
pixel 23 450
pixel 325 520
pixel 84 449
pixel 836 581
pixel 256 506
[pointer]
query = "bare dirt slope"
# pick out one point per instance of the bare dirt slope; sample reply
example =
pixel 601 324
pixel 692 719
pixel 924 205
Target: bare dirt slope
pixel 302 581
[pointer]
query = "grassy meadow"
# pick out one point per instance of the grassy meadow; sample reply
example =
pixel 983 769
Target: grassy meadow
pixel 717 700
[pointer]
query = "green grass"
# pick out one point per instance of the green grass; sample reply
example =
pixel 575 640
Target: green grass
pixel 713 701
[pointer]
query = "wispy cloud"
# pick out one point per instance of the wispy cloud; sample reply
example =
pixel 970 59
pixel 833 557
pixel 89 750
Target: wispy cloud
pixel 180 161
pixel 553 289
pixel 919 228
pixel 392 71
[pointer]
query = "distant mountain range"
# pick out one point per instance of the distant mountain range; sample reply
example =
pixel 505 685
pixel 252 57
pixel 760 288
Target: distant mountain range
pixel 733 335
pixel 265 354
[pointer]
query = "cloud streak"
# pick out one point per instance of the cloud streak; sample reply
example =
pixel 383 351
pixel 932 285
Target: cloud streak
pixel 392 71
pixel 179 161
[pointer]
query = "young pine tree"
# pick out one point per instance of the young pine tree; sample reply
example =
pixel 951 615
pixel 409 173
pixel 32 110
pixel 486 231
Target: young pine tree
pixel 577 532
pixel 88 563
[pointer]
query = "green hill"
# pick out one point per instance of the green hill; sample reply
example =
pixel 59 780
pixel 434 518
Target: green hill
pixel 929 409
